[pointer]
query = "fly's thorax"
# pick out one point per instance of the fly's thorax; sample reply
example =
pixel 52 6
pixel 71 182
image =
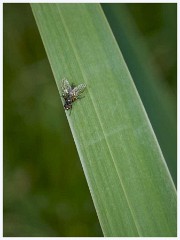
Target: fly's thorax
pixel 68 104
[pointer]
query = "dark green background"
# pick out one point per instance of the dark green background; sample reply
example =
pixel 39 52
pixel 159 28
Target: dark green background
pixel 45 191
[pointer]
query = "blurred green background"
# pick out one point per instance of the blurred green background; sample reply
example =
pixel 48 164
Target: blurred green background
pixel 45 191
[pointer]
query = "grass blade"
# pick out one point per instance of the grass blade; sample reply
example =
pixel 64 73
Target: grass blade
pixel 128 178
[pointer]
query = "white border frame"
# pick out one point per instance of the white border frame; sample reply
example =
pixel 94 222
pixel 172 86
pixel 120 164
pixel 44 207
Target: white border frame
pixel 1 116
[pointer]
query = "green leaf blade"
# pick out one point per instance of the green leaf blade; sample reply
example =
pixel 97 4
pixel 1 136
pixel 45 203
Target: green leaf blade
pixel 130 184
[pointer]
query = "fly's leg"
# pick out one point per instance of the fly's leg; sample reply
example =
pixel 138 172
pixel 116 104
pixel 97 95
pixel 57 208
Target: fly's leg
pixel 80 97
pixel 70 111
pixel 73 85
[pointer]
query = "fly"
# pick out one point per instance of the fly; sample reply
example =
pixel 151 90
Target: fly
pixel 71 93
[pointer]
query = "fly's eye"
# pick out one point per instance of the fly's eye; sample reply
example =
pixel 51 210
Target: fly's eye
pixel 68 107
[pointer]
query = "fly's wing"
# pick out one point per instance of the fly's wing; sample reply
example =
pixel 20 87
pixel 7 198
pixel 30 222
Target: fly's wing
pixel 66 87
pixel 78 90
